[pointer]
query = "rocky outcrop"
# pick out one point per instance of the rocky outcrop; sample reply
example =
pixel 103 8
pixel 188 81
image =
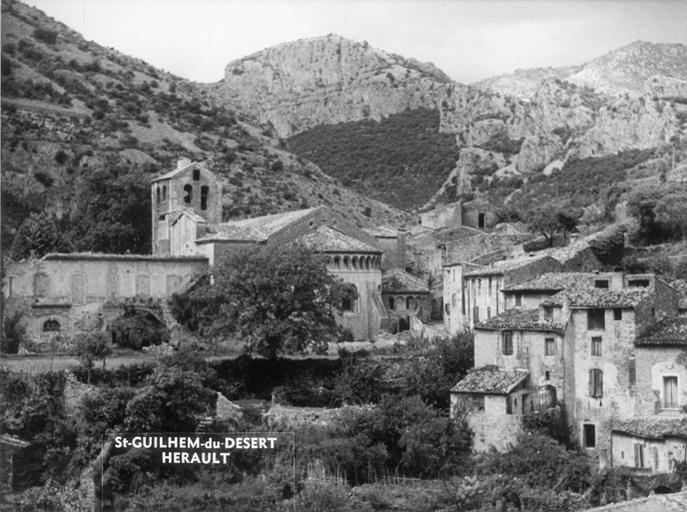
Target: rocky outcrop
pixel 325 80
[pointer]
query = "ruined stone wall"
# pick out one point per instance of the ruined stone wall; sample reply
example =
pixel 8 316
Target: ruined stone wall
pixel 660 456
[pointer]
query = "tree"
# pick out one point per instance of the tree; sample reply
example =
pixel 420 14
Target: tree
pixel 13 333
pixel 38 235
pixel 113 210
pixel 671 213
pixel 93 346
pixel 278 299
pixel 550 219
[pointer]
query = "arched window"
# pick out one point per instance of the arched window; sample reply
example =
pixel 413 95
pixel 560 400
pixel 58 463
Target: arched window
pixel 164 192
pixel 354 263
pixel 51 326
pixel 348 303
pixel 410 303
pixel 189 194
pixel 196 174
pixel 337 261
pixel 204 191
pixel 157 191
pixel 367 263
pixel 346 262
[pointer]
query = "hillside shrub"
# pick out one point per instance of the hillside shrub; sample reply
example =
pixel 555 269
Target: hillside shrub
pixel 45 35
pixel 13 333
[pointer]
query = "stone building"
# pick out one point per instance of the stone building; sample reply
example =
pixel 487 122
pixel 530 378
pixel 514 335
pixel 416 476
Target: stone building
pixel 68 293
pixel 407 299
pixel 608 347
pixel 474 294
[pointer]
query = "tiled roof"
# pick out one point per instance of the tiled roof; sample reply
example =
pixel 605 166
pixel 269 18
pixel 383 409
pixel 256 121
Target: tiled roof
pixel 256 229
pixel 174 172
pixel 175 215
pixel 118 257
pixel 518 318
pixel 681 286
pixel 653 428
pixel 326 239
pixel 489 380
pixel 499 267
pixel 554 281
pixel 669 331
pixel 599 297
pixel 382 231
pixel 400 281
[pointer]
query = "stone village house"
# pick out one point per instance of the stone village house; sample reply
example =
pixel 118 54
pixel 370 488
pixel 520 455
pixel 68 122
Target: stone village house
pixel 69 293
pixel 608 347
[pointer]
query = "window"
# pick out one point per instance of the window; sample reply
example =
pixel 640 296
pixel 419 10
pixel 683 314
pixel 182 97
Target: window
pixel 348 303
pixel 189 194
pixel 392 304
pixel 447 309
pixel 641 283
pixel 639 455
pixel 548 313
pixel 164 192
pixel 196 174
pixel 518 299
pixel 549 347
pixel 453 300
pixel 157 193
pixel 631 372
pixel 589 435
pixel 480 220
pixel 507 343
pixel 204 190
pixel 670 392
pixel 601 283
pixel 490 286
pixel 617 314
pixel 596 346
pixel 509 405
pixel 475 314
pixel 478 402
pixel 595 319
pixel 488 312
pixel 51 326
pixel 596 383
pixel 547 375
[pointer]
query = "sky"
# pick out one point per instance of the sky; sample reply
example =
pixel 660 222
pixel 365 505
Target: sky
pixel 469 40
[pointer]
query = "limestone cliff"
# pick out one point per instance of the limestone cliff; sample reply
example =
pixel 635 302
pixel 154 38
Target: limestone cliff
pixel 326 80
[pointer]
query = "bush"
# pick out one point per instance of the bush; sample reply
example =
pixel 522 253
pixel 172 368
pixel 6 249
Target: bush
pixel 91 347
pixel 45 35
pixel 61 157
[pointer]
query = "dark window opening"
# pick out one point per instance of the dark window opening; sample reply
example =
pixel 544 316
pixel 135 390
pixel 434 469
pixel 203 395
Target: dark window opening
pixel 617 314
pixel 549 347
pixel 640 283
pixel 632 372
pixel 349 299
pixel 601 283
pixel 51 326
pixel 596 319
pixel 189 194
pixel 164 192
pixel 509 405
pixel 596 346
pixel 518 299
pixel 548 313
pixel 475 314
pixel 547 375
pixel 639 455
pixel 157 192
pixel 204 191
pixel 480 220
pixel 507 343
pixel 589 435
pixel 196 174
pixel 478 402
pixel 392 303
pixel 161 217
pixel 596 383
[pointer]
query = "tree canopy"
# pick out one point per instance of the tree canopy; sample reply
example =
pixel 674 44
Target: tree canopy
pixel 276 299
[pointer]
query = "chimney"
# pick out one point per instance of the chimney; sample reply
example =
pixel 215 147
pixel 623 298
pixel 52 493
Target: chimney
pixel 183 162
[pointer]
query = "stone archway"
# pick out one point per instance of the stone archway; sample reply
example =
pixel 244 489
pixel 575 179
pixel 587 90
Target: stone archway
pixel 138 326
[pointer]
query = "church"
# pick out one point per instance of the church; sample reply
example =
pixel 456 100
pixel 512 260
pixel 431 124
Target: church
pixel 70 293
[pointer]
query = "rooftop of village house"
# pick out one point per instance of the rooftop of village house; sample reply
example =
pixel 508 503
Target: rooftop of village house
pixel 599 297
pixel 382 231
pixel 669 331
pixel 653 428
pixel 519 319
pixel 501 266
pixel 553 281
pixel 490 380
pixel 397 280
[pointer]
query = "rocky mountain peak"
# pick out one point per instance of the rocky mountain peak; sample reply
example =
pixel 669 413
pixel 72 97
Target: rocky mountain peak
pixel 324 80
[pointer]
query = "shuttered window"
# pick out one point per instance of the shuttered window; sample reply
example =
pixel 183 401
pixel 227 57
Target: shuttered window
pixel 596 383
